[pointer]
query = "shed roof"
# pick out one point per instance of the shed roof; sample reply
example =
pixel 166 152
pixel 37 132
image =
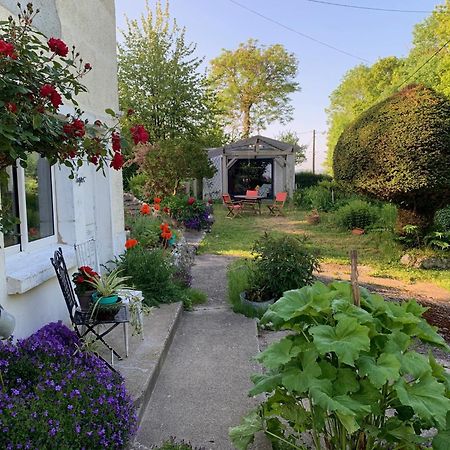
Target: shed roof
pixel 254 146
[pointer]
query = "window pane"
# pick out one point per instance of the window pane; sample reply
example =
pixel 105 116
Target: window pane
pixel 38 191
pixel 10 207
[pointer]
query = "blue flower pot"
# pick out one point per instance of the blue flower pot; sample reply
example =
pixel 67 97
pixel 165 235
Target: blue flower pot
pixel 105 300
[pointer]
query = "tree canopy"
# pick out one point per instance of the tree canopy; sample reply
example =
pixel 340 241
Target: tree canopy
pixel 399 150
pixel 363 86
pixel 253 84
pixel 160 81
pixel 291 137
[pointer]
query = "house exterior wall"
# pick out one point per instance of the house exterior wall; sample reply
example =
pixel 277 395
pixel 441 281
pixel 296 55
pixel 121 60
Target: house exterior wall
pixel 92 209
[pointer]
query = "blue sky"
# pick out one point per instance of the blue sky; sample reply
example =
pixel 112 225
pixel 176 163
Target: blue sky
pixel 218 24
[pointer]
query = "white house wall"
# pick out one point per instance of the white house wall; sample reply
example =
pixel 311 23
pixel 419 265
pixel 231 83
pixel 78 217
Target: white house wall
pixel 93 208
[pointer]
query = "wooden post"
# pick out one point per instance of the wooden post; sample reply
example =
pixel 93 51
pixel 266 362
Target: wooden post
pixel 354 277
pixel 314 152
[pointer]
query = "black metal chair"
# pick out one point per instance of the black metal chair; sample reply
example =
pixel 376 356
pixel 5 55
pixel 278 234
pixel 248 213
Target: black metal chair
pixel 84 322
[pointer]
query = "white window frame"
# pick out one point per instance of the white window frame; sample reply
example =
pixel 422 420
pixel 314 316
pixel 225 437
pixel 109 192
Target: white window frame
pixel 25 246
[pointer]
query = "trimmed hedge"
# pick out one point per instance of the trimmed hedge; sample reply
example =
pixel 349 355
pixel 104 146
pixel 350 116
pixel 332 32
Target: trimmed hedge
pixel 308 179
pixel 399 150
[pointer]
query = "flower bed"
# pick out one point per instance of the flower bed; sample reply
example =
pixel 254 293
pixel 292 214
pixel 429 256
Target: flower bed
pixel 54 395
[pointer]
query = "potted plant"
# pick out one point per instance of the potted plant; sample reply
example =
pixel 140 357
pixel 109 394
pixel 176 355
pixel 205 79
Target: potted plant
pixel 105 299
pixel 280 264
pixel 83 288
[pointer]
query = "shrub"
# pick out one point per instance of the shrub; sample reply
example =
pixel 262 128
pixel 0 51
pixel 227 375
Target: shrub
pixel 136 185
pixel 152 273
pixel 348 375
pixel 399 151
pixel 193 213
pixel 145 229
pixel 53 395
pixel 442 219
pixel 280 264
pixel 356 214
pixel 307 179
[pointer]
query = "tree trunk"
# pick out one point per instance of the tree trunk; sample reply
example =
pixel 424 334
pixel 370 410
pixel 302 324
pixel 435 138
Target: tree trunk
pixel 246 123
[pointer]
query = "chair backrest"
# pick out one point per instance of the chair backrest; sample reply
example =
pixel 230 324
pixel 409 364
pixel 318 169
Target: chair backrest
pixel 251 194
pixel 281 197
pixel 86 253
pixel 64 282
pixel 226 199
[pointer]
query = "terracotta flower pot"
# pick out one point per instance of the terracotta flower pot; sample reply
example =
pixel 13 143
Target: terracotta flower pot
pixel 358 231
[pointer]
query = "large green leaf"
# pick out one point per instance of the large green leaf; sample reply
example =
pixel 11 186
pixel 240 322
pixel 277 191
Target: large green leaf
pixel 397 342
pixel 426 396
pixel 442 439
pixel 242 435
pixel 385 369
pixel 428 333
pixel 264 383
pixel 346 381
pixel 347 339
pixel 276 354
pixel 415 364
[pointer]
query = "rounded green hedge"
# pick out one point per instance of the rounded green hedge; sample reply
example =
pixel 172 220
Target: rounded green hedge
pixel 399 150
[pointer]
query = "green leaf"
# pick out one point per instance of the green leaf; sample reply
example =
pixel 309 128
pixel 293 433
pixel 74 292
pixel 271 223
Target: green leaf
pixel 346 381
pixel 385 369
pixel 110 112
pixel 276 354
pixel 397 342
pixel 442 439
pixel 347 339
pixel 264 383
pixel 243 435
pixel 428 333
pixel 426 397
pixel 37 121
pixel 299 381
pixel 414 364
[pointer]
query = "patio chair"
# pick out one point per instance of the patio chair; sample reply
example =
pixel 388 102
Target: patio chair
pixel 86 253
pixel 251 202
pixel 84 322
pixel 276 208
pixel 234 208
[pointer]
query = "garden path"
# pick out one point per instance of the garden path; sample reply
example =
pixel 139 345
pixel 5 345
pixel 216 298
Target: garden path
pixel 202 389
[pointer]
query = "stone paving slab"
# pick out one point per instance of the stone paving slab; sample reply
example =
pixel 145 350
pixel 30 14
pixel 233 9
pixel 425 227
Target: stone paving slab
pixel 203 386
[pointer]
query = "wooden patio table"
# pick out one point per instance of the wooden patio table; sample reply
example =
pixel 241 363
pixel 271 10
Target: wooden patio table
pixel 250 199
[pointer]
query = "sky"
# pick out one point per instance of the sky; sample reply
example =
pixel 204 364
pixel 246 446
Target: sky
pixel 366 34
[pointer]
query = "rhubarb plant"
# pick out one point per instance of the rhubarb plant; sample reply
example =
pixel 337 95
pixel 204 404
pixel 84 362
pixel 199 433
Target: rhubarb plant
pixel 348 377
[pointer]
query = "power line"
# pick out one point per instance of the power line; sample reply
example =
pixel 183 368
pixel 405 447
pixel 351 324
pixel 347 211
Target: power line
pixel 298 32
pixel 424 64
pixel 345 5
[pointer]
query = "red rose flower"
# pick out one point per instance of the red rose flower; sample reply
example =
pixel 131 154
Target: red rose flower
pixel 157 200
pixel 7 49
pixel 87 66
pixel 11 107
pixel 78 127
pixel 145 209
pixel 58 46
pixel 117 161
pixel 68 128
pixel 115 138
pixel 56 99
pixel 93 159
pixel 139 134
pixel 79 279
pixel 47 90
pixel 191 200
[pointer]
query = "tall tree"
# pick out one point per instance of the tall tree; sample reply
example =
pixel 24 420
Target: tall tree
pixel 253 84
pixel 291 137
pixel 160 81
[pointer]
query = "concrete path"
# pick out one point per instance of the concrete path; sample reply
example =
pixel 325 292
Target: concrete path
pixel 202 389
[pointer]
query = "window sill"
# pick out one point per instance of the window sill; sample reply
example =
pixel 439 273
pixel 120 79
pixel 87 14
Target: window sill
pixel 25 271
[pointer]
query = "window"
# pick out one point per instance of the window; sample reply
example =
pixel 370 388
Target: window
pixel 28 195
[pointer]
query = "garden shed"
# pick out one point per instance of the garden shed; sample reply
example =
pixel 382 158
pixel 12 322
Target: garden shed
pixel 256 162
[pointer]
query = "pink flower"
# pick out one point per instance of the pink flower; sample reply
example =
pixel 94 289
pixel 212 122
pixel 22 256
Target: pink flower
pixel 139 134
pixel 58 46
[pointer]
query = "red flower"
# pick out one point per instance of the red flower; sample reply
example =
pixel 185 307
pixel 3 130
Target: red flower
pixel 55 99
pixel 72 153
pixel 117 161
pixel 157 200
pixel 11 107
pixel 7 49
pixel 164 227
pixel 48 91
pixel 191 200
pixel 166 210
pixel 58 46
pixel 115 138
pixel 139 134
pixel 157 207
pixel 93 159
pixel 78 127
pixel 79 279
pixel 130 243
pixel 87 66
pixel 145 209
pixel 130 112
pixel 210 201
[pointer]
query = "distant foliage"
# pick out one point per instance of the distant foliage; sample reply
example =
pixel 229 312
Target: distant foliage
pixel 356 214
pixel 307 179
pixel 399 151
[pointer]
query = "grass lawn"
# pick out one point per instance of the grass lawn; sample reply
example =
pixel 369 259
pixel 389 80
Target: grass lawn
pixel 377 249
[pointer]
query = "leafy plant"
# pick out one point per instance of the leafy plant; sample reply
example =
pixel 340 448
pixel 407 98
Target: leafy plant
pixel 307 179
pixel 347 376
pixel 356 214
pixel 145 229
pixel 193 213
pixel 442 219
pixel 280 264
pixel 438 239
pixel 109 283
pixel 172 444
